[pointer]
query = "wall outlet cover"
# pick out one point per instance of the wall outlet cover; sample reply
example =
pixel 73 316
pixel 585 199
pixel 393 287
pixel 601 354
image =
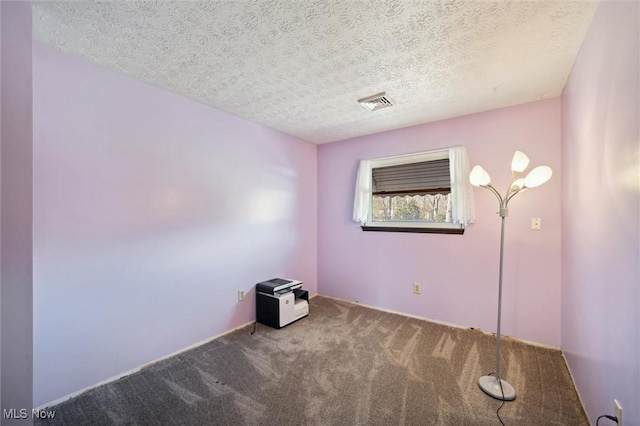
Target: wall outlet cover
pixel 618 409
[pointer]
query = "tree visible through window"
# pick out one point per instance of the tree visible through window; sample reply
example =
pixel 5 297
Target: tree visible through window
pixel 420 208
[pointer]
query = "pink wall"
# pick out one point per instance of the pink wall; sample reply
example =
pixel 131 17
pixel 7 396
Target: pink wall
pixel 150 212
pixel 601 214
pixel 16 276
pixel 458 273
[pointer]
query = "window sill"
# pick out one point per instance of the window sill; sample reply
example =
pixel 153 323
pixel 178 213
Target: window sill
pixel 431 228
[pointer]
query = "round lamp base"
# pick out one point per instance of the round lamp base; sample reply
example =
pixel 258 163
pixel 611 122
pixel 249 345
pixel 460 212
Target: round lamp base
pixel 491 386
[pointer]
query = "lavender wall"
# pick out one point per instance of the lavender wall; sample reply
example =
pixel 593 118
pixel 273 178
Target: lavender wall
pixel 150 212
pixel 16 279
pixel 601 214
pixel 458 274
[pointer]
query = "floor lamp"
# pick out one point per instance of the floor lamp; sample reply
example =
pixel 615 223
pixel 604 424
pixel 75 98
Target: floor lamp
pixel 493 385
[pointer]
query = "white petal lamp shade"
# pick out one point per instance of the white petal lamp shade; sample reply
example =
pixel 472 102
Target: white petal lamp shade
pixel 520 162
pixel 538 176
pixel 479 177
pixel 518 184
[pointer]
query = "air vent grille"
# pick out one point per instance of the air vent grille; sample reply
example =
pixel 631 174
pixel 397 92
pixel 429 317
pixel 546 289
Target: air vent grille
pixel 377 101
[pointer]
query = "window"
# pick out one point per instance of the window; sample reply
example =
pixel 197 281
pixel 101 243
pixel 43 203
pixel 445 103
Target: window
pixel 414 192
pixel 423 192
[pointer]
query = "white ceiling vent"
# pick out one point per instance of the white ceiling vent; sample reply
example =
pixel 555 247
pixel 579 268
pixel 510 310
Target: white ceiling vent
pixel 377 101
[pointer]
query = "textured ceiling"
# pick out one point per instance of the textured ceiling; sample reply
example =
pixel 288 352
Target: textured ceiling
pixel 299 66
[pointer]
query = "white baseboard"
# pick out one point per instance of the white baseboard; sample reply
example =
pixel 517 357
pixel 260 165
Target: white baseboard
pixel 447 324
pixel 203 342
pixel 584 407
pixel 141 367
pixel 136 369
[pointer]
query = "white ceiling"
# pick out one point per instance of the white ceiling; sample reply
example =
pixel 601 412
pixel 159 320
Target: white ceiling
pixel 300 65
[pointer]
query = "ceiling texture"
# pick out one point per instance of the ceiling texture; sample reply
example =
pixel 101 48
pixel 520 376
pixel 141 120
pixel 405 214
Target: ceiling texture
pixel 299 66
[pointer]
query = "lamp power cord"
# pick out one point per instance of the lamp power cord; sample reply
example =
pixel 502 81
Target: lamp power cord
pixel 607 416
pixel 502 403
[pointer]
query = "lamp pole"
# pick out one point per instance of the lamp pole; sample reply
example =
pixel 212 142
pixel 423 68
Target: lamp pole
pixel 503 215
pixel 494 386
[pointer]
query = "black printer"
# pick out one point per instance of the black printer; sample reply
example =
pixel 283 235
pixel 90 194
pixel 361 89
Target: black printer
pixel 280 302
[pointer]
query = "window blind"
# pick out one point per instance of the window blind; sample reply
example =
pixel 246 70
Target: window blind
pixel 427 177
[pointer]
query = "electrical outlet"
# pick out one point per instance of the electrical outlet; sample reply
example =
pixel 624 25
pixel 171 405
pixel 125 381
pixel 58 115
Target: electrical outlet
pixel 536 223
pixel 240 295
pixel 618 409
pixel 416 288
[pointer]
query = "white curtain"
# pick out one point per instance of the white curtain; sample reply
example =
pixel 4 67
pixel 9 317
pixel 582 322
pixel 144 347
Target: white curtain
pixel 361 203
pixel 462 211
pixel 461 191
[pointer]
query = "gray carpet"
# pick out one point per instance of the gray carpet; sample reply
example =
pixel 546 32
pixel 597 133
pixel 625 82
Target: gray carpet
pixel 343 365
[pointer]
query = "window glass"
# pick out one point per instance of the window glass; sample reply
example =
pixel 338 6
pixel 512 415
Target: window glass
pixel 416 208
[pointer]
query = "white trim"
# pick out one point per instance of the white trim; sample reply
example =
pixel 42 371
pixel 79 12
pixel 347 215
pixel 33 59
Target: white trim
pixel 584 407
pixel 411 224
pixel 447 324
pixel 137 369
pixel 203 342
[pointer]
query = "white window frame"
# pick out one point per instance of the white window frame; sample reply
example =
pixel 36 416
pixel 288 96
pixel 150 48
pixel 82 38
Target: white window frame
pixel 364 193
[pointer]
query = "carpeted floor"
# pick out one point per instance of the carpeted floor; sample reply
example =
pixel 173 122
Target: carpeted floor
pixel 343 365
